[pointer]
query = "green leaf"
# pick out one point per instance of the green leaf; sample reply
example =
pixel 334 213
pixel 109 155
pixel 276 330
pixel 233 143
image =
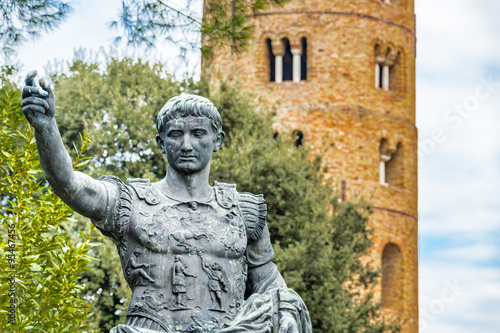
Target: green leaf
pixel 35 267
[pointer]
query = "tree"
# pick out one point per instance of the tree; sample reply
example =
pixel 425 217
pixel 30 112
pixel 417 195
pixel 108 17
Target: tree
pixel 225 22
pixel 317 239
pixel 39 263
pixel 22 20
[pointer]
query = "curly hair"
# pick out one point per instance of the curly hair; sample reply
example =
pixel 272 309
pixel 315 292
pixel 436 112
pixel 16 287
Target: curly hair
pixel 188 105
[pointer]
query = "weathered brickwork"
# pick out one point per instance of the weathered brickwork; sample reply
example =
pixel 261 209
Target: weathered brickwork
pixel 345 117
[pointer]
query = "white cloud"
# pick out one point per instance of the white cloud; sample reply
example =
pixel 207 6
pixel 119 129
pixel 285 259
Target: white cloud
pixel 477 253
pixel 470 305
pixel 455 36
pixel 459 181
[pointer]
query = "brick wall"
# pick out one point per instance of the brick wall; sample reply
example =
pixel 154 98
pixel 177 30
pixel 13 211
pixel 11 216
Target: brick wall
pixel 344 116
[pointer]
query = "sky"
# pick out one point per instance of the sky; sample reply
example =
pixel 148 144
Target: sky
pixel 458 112
pixel 458 104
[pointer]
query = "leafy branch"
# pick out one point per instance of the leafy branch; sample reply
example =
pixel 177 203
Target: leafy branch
pixel 22 20
pixel 224 23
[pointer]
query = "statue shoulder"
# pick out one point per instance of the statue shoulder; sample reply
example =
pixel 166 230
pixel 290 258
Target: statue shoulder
pixel 253 207
pixel 115 223
pixel 144 190
pixel 254 210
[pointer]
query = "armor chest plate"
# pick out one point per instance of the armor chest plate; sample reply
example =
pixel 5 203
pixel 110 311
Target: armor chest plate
pixel 185 263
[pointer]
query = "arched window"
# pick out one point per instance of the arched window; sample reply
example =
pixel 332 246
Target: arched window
pixel 271 60
pixel 391 168
pixel 379 60
pixel 396 73
pixel 385 156
pixel 388 69
pixel 379 70
pixel 303 59
pixel 298 137
pixel 394 172
pixel 392 277
pixel 287 61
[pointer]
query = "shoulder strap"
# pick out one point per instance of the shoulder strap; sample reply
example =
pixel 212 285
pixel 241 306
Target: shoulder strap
pixel 121 214
pixel 254 210
pixel 144 190
pixel 226 194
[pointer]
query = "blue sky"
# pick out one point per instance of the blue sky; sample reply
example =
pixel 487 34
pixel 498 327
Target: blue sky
pixel 459 196
pixel 458 117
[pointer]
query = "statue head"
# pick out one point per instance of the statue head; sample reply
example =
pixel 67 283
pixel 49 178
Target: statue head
pixel 137 252
pixel 188 105
pixel 189 131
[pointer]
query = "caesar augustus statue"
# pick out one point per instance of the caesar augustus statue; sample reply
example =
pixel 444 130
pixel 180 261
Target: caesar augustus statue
pixel 197 258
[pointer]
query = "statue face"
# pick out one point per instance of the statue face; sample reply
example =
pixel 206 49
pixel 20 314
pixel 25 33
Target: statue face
pixel 189 142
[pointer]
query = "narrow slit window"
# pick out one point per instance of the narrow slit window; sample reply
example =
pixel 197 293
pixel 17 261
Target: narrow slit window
pixel 303 59
pixel 271 60
pixel 287 61
pixel 380 70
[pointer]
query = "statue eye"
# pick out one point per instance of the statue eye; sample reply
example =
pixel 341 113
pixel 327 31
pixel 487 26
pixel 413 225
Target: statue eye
pixel 175 134
pixel 198 134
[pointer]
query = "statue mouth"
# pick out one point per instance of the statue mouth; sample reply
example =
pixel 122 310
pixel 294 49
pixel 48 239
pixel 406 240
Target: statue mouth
pixel 188 158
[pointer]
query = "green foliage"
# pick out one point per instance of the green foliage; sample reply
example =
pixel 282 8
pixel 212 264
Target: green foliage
pixel 225 22
pixel 317 239
pixel 117 108
pixel 21 20
pixel 39 264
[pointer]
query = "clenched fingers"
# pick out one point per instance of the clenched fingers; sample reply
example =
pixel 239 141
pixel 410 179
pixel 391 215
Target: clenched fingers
pixel 45 85
pixel 36 102
pixel 29 91
pixel 30 78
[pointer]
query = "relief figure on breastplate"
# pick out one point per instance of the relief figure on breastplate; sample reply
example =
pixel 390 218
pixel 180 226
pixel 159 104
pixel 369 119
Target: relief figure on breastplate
pixel 234 234
pixel 179 274
pixel 154 230
pixel 151 299
pixel 183 236
pixel 217 282
pixel 197 258
pixel 136 275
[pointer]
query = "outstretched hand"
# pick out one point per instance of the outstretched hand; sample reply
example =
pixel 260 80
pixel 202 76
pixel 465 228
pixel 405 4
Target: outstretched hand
pixel 38 101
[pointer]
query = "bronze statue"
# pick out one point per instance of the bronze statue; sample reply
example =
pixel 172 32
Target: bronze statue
pixel 178 227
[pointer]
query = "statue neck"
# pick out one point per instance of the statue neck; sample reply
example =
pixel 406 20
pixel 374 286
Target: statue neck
pixel 182 187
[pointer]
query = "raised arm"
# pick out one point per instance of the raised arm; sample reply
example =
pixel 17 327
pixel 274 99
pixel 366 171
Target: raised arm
pixel 82 193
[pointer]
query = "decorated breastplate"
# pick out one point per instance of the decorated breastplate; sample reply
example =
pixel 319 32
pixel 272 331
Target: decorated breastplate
pixel 184 261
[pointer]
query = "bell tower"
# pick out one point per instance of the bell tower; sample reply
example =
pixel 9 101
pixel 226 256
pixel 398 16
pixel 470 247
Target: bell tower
pixel 342 73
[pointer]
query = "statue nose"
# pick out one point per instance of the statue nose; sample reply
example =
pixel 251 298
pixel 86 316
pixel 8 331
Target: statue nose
pixel 187 144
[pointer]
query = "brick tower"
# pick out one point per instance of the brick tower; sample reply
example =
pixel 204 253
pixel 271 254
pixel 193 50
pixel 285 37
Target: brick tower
pixel 342 73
